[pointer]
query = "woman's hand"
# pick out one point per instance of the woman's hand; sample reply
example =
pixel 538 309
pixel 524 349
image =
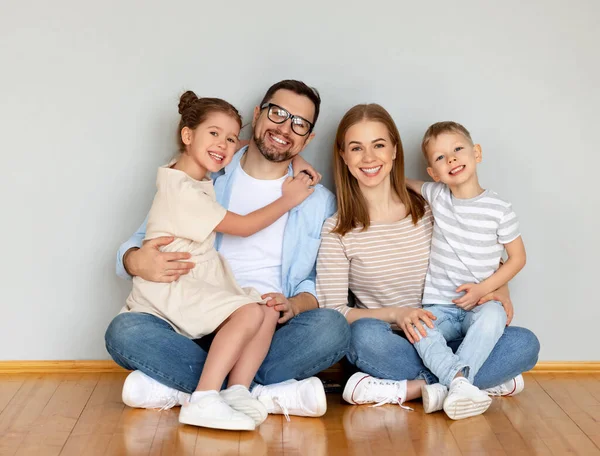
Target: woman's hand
pixel 409 318
pixel 501 295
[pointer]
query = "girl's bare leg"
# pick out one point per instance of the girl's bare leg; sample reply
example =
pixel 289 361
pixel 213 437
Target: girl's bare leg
pixel 255 351
pixel 233 337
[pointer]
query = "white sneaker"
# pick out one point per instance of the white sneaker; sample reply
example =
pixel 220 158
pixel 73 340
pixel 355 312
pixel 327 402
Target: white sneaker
pixel 510 388
pixel 141 391
pixel 239 398
pixel 433 397
pixel 211 411
pixel 465 400
pixel 292 397
pixel 361 388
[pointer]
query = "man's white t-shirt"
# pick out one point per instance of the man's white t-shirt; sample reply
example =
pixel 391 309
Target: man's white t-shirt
pixel 255 260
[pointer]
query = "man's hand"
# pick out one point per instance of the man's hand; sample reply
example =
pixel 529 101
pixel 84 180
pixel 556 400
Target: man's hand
pixel 501 295
pixel 473 293
pixel 281 304
pixel 151 264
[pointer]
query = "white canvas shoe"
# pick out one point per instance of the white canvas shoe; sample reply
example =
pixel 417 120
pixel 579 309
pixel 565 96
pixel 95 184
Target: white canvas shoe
pixel 433 397
pixel 362 388
pixel 239 398
pixel 211 411
pixel 293 397
pixel 141 391
pixel 509 388
pixel 465 400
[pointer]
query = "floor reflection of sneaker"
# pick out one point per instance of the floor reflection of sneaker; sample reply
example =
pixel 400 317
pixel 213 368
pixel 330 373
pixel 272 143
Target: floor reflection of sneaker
pixel 141 391
pixel 509 388
pixel 304 437
pixel 361 388
pixel 292 397
pixel 465 400
pixel 211 411
pixel 239 398
pixel 370 423
pixel 433 397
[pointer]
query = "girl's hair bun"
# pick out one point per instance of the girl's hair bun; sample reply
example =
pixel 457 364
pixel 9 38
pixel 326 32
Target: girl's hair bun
pixel 186 101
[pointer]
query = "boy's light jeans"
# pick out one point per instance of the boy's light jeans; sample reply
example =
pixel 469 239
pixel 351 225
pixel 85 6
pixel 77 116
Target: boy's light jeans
pixel 481 328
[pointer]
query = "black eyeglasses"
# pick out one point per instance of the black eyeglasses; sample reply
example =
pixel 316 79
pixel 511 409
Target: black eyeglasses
pixel 278 115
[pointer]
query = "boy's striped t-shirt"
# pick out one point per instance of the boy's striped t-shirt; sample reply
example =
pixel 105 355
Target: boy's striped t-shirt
pixel 468 240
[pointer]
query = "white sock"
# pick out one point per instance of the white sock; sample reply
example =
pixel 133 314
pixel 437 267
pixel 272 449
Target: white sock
pixel 197 395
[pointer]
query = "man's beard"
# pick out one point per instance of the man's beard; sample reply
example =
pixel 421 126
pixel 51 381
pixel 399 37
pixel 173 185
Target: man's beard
pixel 271 154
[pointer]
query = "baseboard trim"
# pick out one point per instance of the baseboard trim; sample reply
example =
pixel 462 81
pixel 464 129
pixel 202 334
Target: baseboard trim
pixel 567 366
pixel 59 367
pixel 109 366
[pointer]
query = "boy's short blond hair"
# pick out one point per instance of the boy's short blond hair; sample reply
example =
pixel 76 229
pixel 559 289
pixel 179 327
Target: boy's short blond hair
pixel 440 128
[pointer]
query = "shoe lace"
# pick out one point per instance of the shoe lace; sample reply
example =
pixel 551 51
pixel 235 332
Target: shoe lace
pixel 388 393
pixel 281 403
pixel 168 400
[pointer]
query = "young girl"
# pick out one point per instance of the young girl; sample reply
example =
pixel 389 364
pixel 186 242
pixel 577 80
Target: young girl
pixel 208 299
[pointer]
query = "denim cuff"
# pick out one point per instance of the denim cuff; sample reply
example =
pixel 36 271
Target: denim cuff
pixel 429 378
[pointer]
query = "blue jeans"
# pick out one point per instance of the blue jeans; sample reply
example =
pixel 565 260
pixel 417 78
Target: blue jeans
pixel 481 329
pixel 304 346
pixel 381 352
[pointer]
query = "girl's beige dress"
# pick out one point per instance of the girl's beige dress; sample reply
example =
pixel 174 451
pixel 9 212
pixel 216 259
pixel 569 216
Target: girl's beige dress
pixel 197 303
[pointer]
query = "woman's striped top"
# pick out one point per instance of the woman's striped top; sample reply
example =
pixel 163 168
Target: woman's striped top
pixel 382 266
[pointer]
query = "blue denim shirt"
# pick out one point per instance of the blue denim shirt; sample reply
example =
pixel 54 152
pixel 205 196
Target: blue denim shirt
pixel 301 237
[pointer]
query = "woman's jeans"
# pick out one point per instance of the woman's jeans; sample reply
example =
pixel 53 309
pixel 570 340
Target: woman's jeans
pixel 381 352
pixel 481 328
pixel 307 344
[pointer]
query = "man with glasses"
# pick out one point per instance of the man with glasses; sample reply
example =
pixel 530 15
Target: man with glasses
pixel 278 261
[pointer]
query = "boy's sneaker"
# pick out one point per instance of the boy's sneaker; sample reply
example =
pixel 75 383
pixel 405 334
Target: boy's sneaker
pixel 292 397
pixel 465 400
pixel 361 388
pixel 510 388
pixel 239 398
pixel 433 397
pixel 211 411
pixel 141 391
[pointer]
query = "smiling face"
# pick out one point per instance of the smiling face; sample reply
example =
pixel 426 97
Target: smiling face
pixel 452 159
pixel 211 144
pixel 369 153
pixel 277 142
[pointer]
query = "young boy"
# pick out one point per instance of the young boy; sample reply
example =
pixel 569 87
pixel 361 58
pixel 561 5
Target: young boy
pixel 472 228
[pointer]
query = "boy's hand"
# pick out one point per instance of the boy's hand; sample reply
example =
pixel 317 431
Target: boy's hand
pixel 473 293
pixel 299 165
pixel 297 189
pixel 501 295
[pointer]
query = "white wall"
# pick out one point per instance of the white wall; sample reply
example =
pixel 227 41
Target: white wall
pixel 88 108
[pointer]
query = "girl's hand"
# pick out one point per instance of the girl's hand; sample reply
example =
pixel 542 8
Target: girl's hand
pixel 470 299
pixel 297 189
pixel 501 295
pixel 299 165
pixel 409 318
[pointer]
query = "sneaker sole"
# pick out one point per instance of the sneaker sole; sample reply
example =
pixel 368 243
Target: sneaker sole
pixel 427 401
pixel 250 411
pixel 351 385
pixel 227 425
pixel 321 399
pixel 465 408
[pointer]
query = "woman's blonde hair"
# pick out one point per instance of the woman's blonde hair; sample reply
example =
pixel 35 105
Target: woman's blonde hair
pixel 352 206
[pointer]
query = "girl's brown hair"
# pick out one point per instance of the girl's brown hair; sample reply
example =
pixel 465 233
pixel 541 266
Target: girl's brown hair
pixel 195 110
pixel 352 206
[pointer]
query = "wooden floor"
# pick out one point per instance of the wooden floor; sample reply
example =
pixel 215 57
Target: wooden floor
pixel 83 415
